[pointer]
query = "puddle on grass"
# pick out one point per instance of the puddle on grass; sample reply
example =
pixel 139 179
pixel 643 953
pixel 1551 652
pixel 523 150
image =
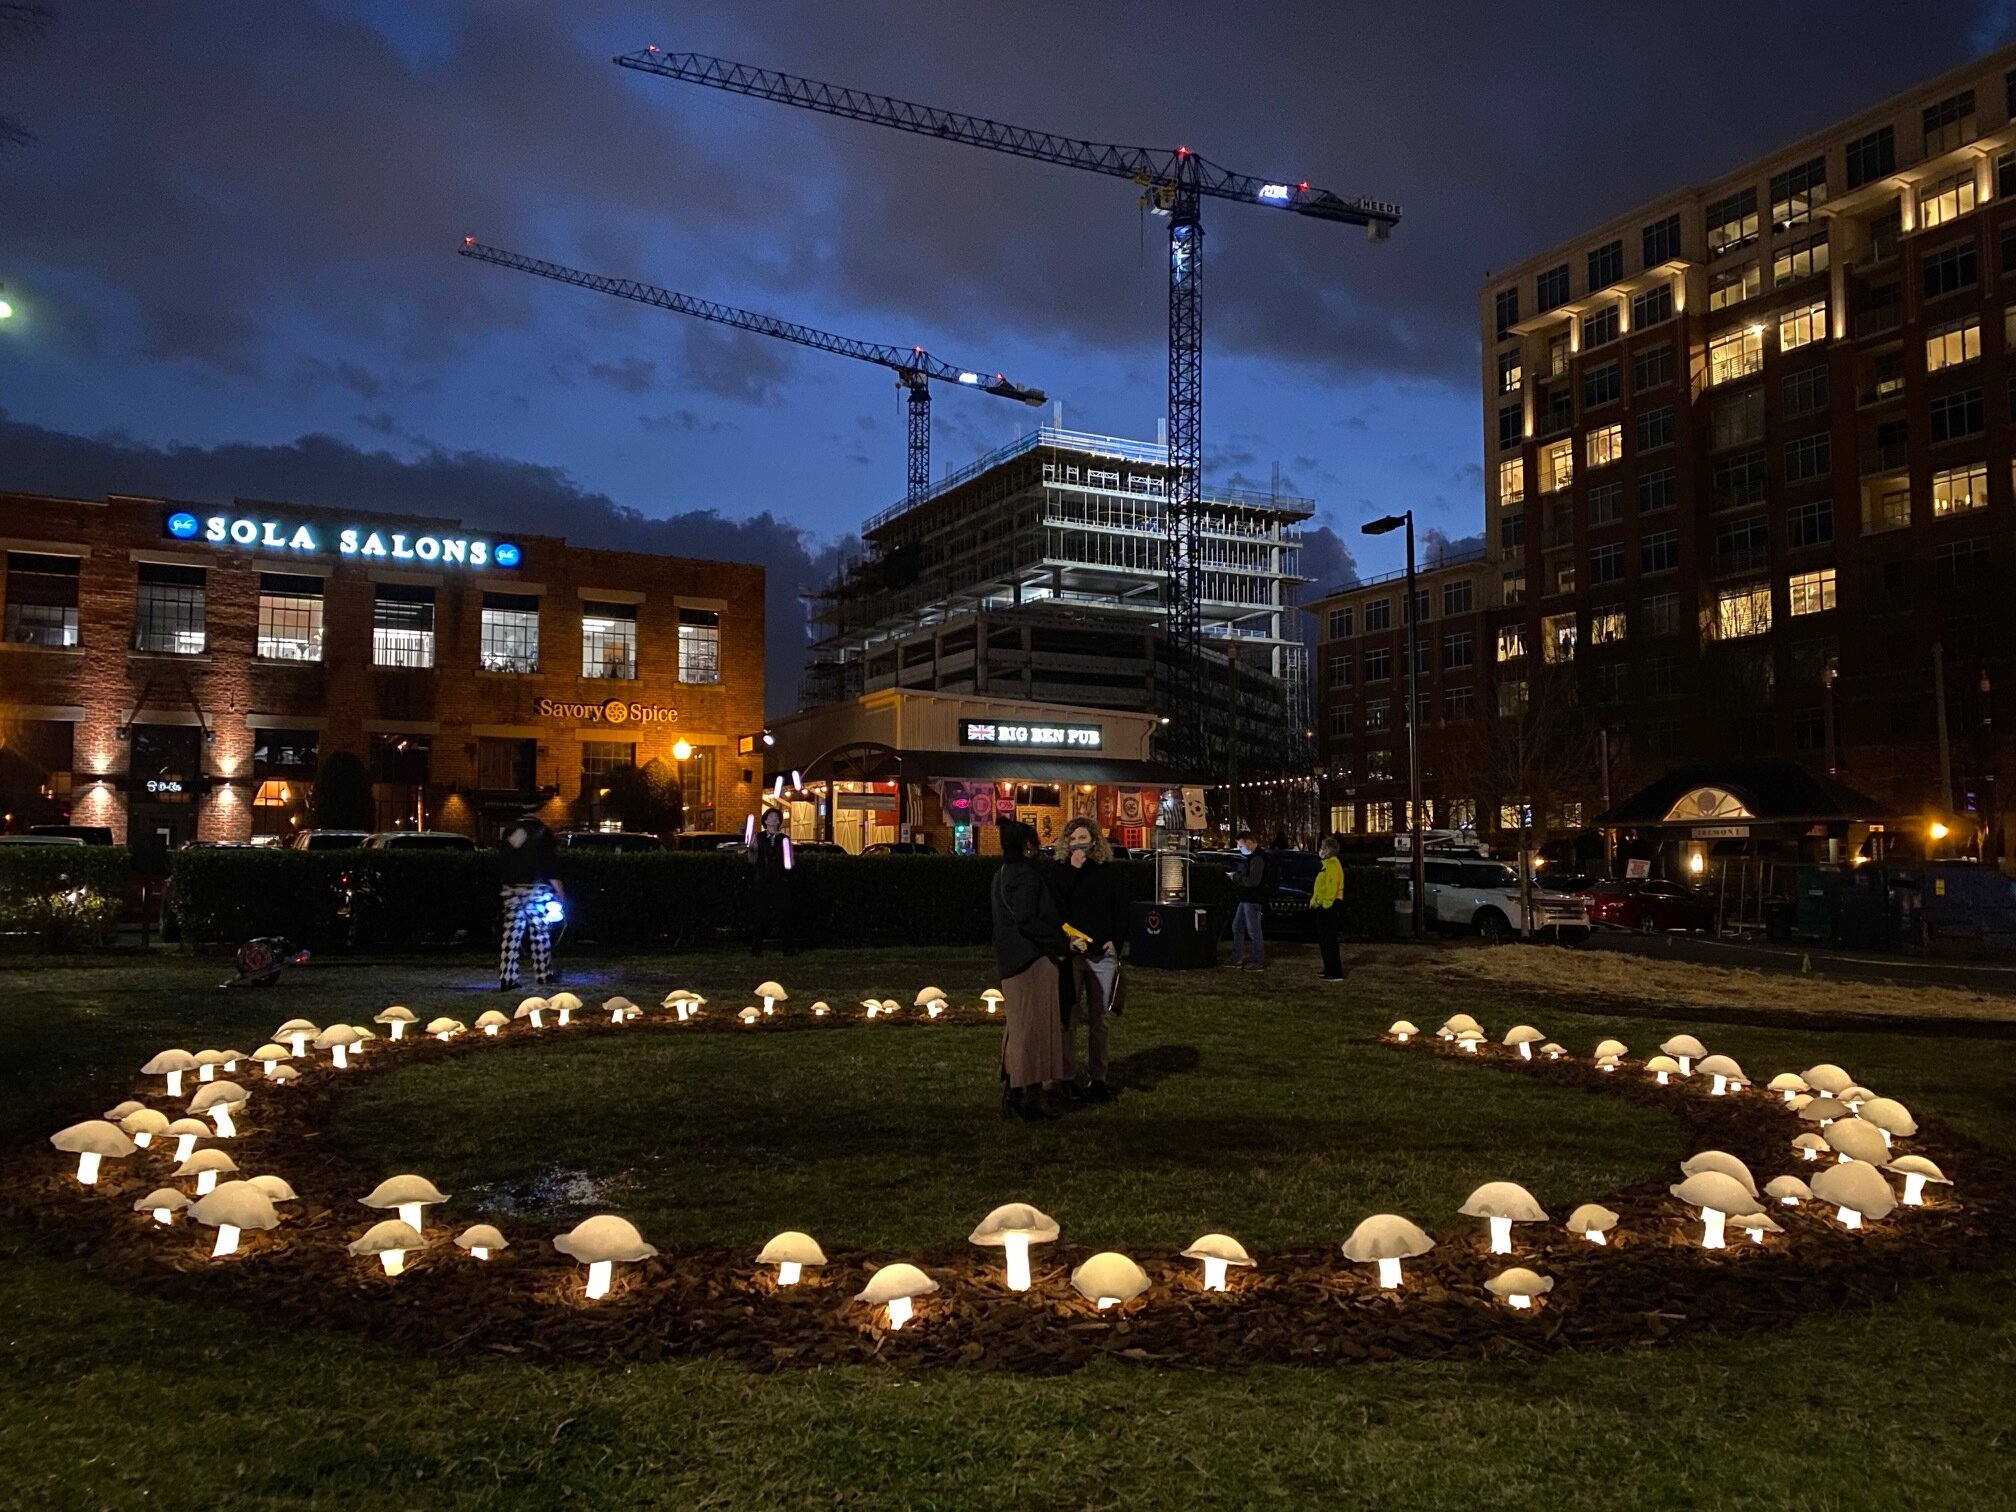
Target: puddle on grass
pixel 553 1194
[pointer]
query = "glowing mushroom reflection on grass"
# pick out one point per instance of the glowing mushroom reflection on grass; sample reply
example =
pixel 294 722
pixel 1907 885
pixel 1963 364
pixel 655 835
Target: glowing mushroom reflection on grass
pixel 1386 1239
pixel 231 1209
pixel 92 1142
pixel 1218 1252
pixel 1012 1228
pixel 600 1243
pixel 791 1251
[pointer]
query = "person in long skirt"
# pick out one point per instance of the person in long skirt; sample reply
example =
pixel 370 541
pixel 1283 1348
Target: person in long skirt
pixel 771 853
pixel 1092 904
pixel 1029 947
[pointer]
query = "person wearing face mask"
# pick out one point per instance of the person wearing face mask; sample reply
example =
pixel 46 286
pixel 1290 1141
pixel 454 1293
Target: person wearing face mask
pixel 1252 884
pixel 1326 902
pixel 1090 897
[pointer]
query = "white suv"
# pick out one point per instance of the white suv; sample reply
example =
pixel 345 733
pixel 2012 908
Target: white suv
pixel 1474 895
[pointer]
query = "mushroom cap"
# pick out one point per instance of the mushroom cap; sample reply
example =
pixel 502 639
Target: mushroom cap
pixel 295 1026
pixel 565 1000
pixel 334 1035
pixel 1519 1282
pixel 1857 1140
pixel 144 1121
pixel 1820 1109
pixel 1798 1100
pixel 1782 1187
pixel 771 990
pixel 1591 1218
pixel 677 996
pixel 1550 1048
pixel 284 1074
pixel 200 1161
pixel 1759 1220
pixel 445 1025
pixel 238 1203
pixel 1401 1026
pixel 1015 1218
pixel 893 1281
pixel 604 1237
pixel 481 1236
pixel 161 1197
pixel 1610 1047
pixel 1109 1274
pixel 1808 1142
pixel 212 1093
pixel 1386 1236
pixel 822 1006
pixel 1856 1093
pixel 1717 1190
pixel 1523 1034
pixel 994 995
pixel 94 1136
pixel 1787 1081
pixel 1721 1065
pixel 926 995
pixel 1218 1247
pixel 211 1057
pixel 396 1014
pixel 494 1016
pixel 750 1015
pixel 529 1006
pixel 1684 1044
pixel 1661 1063
pixel 1469 1036
pixel 1918 1165
pixel 391 1234
pixel 1608 1060
pixel 1503 1199
pixel 618 1004
pixel 196 1126
pixel 1829 1078
pixel 362 1032
pixel 1857 1186
pixel 275 1188
pixel 119 1110
pixel 169 1060
pixel 396 1191
pixel 792 1248
pixel 267 1054
pixel 1457 1022
pixel 1889 1115
pixel 1723 1161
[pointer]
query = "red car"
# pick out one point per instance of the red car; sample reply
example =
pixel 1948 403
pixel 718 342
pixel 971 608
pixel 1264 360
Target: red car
pixel 1649 907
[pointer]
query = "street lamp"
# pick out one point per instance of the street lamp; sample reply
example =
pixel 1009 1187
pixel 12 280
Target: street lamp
pixel 682 751
pixel 6 309
pixel 1381 527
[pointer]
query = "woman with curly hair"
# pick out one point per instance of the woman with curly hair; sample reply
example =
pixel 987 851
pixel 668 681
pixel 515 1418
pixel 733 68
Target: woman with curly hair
pixel 1093 905
pixel 1030 950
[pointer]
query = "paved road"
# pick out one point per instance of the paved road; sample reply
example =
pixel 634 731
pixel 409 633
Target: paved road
pixel 1763 955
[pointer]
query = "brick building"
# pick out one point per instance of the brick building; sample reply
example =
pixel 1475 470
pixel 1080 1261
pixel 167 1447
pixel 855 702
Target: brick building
pixel 176 672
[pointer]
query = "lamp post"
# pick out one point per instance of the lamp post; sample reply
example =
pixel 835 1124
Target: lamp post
pixel 1381 527
pixel 682 752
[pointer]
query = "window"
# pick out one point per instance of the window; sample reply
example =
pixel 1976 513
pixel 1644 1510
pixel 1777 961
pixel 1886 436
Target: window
pixel 1796 191
pixel 1655 428
pixel 1378 664
pixel 1379 817
pixel 1652 368
pixel 1512 480
pixel 1606 265
pixel 1957 415
pixel 1459 704
pixel 1735 354
pixel 1662 614
pixel 1805 391
pixel 1810 592
pixel 1659 551
pixel 1511 642
pixel 1599 328
pixel 601 757
pixel 1507 302
pixel 1742 545
pixel 1606 625
pixel 1561 576
pixel 1651 307
pixel 1949 123
pixel 1803 326
pixel 290 617
pixel 2009 248
pixel 1379 768
pixel 1510 373
pixel 1340 671
pixel 1732 223
pixel 1557 638
pixel 1340 623
pixel 1946 199
pixel 1550 289
pixel 700 645
pixel 168 611
pixel 1661 240
pixel 1949 270
pixel 1887 509
pixel 1378 615
pixel 1871 157
pixel 1378 713
pixel 1512 586
pixel 1424 663
pixel 1422 607
pixel 1458 650
pixel 1961 564
pixel 1950 345
pixel 510 640
pixel 1658 490
pixel 42 599
pixel 1343 818
pixel 1743 611
pixel 506 765
pixel 1808 457
pixel 609 642
pixel 1738 481
pixel 1602 385
pixel 1800 259
pixel 1511 427
pixel 1606 504
pixel 1734 285
pixel 1605 445
pixel 1557 466
pixel 1457 597
pixel 1737 420
pixel 2005 175
pixel 1340 719
pixel 1958 490
pixel 1810 524
pixel 284 752
pixel 1606 564
pixel 1512 697
pixel 402 626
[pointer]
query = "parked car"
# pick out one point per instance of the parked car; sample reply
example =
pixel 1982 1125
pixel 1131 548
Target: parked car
pixel 1470 895
pixel 704 840
pixel 329 839
pixel 40 840
pixel 89 834
pixel 902 848
pixel 609 840
pixel 417 840
pixel 1650 907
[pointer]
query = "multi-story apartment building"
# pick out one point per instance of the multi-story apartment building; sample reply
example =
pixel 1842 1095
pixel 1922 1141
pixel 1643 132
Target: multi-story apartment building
pixel 1748 461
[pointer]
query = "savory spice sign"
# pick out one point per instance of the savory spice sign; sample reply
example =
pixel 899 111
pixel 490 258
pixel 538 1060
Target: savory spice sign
pixel 611 711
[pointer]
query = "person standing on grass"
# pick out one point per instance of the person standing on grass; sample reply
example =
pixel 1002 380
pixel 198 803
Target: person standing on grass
pixel 770 852
pixel 1030 947
pixel 527 857
pixel 1090 898
pixel 1326 902
pixel 1252 883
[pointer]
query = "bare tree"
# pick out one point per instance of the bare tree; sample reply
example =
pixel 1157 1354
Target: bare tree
pixel 22 23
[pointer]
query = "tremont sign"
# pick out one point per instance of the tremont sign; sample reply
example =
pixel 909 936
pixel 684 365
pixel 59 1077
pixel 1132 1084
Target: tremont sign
pixel 300 539
pixel 612 711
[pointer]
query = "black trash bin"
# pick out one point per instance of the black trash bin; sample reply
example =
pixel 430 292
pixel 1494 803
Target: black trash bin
pixel 1778 914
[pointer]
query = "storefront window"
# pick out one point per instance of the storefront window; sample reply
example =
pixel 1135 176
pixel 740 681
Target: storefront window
pixel 601 757
pixel 699 646
pixel 400 767
pixel 402 627
pixel 506 765
pixel 609 641
pixel 510 633
pixel 41 599
pixel 290 617
pixel 168 610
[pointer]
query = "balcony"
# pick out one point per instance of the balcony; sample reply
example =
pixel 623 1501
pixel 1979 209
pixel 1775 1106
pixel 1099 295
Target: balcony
pixel 1892 456
pixel 1885 389
pixel 1560 533
pixel 1877 321
pixel 1740 559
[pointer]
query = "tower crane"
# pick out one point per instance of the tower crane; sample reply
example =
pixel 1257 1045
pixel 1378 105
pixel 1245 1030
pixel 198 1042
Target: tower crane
pixel 916 369
pixel 1173 183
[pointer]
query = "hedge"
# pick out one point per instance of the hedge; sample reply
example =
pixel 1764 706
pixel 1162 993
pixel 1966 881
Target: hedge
pixel 61 897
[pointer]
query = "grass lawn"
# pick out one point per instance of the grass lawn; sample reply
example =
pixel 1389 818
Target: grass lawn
pixel 1258 1105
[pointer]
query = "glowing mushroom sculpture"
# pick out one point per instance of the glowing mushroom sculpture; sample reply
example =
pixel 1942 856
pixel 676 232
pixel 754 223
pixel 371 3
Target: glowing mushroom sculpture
pixel 932 1000
pixel 1718 1197
pixel 1503 1203
pixel 771 994
pixel 491 1022
pixel 1756 1225
pixel 93 1142
pixel 269 1056
pixel 185 1132
pixel 1856 1190
pixel 1468 1040
pixel 1686 1049
pixel 1788 1085
pixel 207 1062
pixel 1724 1162
pixel 1593 1222
pixel 206 1166
pixel 1386 1239
pixel 1012 1228
pixel 993 998
pixel 821 1009
pixel 895 1289
pixel 1725 1072
pixel 1109 1279
pixel 1809 1146
pixel 1523 1037
pixel 173 1065
pixel 1518 1287
pixel 791 1251
pixel 411 1195
pixel 600 1243
pixel 141 1125
pixel 564 1005
pixel 1823 1110
pixel 750 1016
pixel 1916 1171
pixel 296 1034
pixel 533 1009
pixel 1610 1049
pixel 1890 1116
pixel 1553 1051
pixel 481 1241
pixel 162 1204
pixel 1456 1023
pixel 120 1110
pixel 391 1241
pixel 1219 1252
pixel 337 1040
pixel 231 1209
pixel 444 1028
pixel 1787 1191
pixel 1402 1031
pixel 620 1008
pixel 1663 1068
pixel 397 1016
pixel 216 1102
pixel 1828 1078
pixel 276 1188
pixel 1852 1139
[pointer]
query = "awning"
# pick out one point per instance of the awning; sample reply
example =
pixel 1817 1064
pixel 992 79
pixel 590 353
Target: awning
pixel 1741 793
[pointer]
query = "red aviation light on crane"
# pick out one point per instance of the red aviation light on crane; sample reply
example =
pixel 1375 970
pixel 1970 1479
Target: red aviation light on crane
pixel 468 241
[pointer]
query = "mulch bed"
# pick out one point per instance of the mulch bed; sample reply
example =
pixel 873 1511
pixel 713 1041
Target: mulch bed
pixel 1304 1306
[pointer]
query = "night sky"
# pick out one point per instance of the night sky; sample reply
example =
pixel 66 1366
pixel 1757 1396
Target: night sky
pixel 231 243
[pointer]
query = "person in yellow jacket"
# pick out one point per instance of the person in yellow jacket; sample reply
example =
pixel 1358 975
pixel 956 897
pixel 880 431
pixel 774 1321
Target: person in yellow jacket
pixel 1327 902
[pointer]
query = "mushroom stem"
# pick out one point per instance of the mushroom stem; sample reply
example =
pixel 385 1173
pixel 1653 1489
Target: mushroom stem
pixel 174 1083
pixel 1712 1224
pixel 1662 1076
pixel 1789 1094
pixel 480 1251
pixel 143 1139
pixel 411 1214
pixel 1721 1085
pixel 1686 1065
pixel 599 1273
pixel 490 1030
pixel 1811 1154
pixel 227 1241
pixel 220 1115
pixel 1596 1236
pixel 164 1216
pixel 1214 1274
pixel 1017 1246
pixel 269 1069
pixel 1398 1038
pixel 87 1168
pixel 1106 1302
pixel 1886 1136
pixel 564 1012
pixel 394 1261
pixel 1525 1052
pixel 1914 1191
pixel 340 1054
pixel 1470 1045
pixel 184 1145
pixel 207 1071
pixel 1389 1272
pixel 1849 1218
pixel 788 1272
pixel 1518 1301
pixel 1755 1235
pixel 398 1028
pixel 206 1183
pixel 1501 1236
pixel 899 1312
pixel 298 1040
pixel 538 1018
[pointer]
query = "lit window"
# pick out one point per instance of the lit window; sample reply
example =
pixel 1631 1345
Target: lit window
pixel 1803 326
pixel 1886 509
pixel 510 641
pixel 1605 445
pixel 1378 713
pixel 402 626
pixel 1734 285
pixel 1606 625
pixel 1950 345
pixel 1512 586
pixel 1796 192
pixel 1379 818
pixel 42 599
pixel 1959 489
pixel 1735 354
pixel 1513 816
pixel 1800 259
pixel 1743 611
pixel 1512 480
pixel 168 610
pixel 1732 222
pixel 1558 353
pixel 1510 373
pixel 1344 819
pixel 290 617
pixel 1511 642
pixel 609 641
pixel 1810 592
pixel 1557 638
pixel 1557 465
pixel 1946 199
